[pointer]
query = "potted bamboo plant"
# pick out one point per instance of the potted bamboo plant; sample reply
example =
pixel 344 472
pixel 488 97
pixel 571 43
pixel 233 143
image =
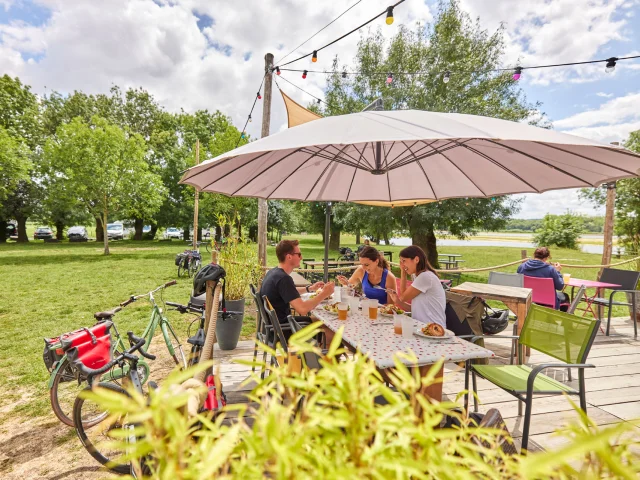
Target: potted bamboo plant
pixel 239 257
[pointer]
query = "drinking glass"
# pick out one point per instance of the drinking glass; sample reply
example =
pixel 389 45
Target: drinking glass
pixel 373 309
pixel 566 277
pixel 397 323
pixel 354 304
pixel 343 309
pixel 407 326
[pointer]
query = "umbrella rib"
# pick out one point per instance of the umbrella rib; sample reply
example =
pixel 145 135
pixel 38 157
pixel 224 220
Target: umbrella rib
pixel 297 168
pixel 333 158
pixel 538 160
pixel 434 151
pixel 321 175
pixel 464 173
pixel 591 159
pixel 213 164
pixel 355 171
pixel 499 165
pixel 411 155
pixel 269 167
pixel 231 171
pixel 424 172
pixel 398 156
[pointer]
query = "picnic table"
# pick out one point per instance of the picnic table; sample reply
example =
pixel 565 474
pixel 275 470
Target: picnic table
pixel 599 286
pixel 451 257
pixel 377 340
pixel 320 263
pixel 299 280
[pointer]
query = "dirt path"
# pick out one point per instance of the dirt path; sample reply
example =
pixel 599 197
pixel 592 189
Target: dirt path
pixel 42 447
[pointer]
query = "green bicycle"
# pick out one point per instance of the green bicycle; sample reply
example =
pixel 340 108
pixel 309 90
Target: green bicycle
pixel 65 382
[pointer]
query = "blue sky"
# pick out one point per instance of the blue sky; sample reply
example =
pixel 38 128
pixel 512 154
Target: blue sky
pixel 201 54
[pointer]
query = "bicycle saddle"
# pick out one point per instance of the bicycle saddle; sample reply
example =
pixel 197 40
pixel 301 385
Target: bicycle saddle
pixel 106 314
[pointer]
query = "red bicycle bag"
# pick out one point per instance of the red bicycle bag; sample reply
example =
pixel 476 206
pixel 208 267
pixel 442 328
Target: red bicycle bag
pixel 90 346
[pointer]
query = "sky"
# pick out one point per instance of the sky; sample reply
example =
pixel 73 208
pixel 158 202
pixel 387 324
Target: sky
pixel 197 54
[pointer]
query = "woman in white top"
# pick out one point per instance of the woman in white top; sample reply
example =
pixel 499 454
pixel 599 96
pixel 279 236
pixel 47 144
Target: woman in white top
pixel 426 294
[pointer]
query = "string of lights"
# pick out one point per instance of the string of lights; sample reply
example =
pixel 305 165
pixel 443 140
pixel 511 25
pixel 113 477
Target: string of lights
pixel 255 100
pixel 446 74
pixel 323 28
pixel 318 100
pixel 314 54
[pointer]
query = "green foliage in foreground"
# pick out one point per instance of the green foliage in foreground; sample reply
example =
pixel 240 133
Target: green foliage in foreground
pixel 339 432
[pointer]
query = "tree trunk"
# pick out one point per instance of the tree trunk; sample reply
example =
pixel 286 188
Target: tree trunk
pixel 227 231
pixel 357 236
pixel 427 242
pixel 22 229
pixel 3 231
pixel 185 232
pixel 104 232
pixel 219 234
pixel 138 225
pixel 334 239
pixel 59 230
pixel 323 240
pixel 386 238
pixel 239 230
pixel 99 230
pixel 154 230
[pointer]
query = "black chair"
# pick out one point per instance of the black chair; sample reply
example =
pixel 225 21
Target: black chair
pixel 278 328
pixel 628 281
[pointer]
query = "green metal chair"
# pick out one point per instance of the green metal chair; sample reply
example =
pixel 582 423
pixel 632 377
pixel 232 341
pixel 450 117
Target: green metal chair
pixel 560 335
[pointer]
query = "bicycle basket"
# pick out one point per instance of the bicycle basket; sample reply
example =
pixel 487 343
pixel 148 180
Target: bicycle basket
pixel 91 347
pixel 179 259
pixel 52 353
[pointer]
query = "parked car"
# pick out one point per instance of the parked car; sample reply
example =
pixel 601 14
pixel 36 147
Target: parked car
pixel 77 234
pixel 12 231
pixel 42 233
pixel 115 231
pixel 173 232
pixel 146 229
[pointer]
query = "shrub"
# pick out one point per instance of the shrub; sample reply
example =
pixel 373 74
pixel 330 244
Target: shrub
pixel 560 231
pixel 339 432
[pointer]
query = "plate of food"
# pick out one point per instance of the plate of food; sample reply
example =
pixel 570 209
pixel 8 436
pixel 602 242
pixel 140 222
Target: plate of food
pixel 433 331
pixel 332 308
pixel 389 310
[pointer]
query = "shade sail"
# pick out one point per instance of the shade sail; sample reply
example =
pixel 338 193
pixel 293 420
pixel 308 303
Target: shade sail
pixel 296 113
pixel 410 156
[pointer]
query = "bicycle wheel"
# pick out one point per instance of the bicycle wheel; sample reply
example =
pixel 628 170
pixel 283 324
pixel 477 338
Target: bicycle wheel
pixel 208 247
pixel 96 439
pixel 63 393
pixel 194 267
pixel 183 268
pixel 173 345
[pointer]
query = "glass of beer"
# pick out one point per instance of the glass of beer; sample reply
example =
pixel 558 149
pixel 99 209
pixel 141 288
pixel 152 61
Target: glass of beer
pixel 566 277
pixel 343 309
pixel 397 323
pixel 373 309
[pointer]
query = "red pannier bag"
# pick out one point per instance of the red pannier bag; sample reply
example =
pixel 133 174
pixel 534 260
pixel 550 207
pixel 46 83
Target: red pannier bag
pixel 211 402
pixel 90 346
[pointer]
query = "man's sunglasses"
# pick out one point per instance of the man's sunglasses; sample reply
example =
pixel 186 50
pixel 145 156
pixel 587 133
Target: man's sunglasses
pixel 297 253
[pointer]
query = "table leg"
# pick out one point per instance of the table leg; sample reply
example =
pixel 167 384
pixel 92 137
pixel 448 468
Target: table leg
pixel 433 391
pixel 521 310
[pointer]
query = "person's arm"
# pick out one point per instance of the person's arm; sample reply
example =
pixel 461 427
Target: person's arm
pixel 312 288
pixel 303 307
pixel 355 278
pixel 403 280
pixel 390 285
pixel 558 281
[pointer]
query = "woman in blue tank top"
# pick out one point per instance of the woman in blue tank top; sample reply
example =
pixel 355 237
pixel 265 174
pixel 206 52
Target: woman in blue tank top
pixel 373 271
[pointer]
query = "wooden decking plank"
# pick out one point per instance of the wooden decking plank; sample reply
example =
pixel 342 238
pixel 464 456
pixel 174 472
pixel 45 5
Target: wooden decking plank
pixel 624 411
pixel 551 422
pixel 621 395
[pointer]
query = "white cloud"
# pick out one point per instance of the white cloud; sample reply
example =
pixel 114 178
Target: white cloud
pixel 612 112
pixel 556 202
pixel 605 95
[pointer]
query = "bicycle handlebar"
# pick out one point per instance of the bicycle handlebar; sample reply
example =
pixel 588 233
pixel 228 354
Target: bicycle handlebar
pixel 133 298
pixel 185 308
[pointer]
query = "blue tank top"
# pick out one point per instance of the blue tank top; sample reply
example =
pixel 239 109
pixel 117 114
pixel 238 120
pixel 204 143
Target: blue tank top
pixel 374 293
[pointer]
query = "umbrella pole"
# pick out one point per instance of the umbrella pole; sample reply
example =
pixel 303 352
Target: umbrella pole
pixel 327 224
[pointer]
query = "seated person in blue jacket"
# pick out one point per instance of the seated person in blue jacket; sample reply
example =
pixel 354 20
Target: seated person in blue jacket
pixel 372 272
pixel 541 268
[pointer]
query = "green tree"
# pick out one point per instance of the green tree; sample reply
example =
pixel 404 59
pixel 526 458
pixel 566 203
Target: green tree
pixel 452 43
pixel 103 167
pixel 560 230
pixel 14 163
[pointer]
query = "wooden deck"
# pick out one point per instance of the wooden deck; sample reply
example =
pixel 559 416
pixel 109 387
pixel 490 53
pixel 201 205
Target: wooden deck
pixel 613 387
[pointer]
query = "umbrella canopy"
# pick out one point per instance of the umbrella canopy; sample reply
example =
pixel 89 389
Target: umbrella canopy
pixel 400 157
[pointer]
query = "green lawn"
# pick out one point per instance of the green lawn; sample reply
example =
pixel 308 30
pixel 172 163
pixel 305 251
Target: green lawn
pixel 48 289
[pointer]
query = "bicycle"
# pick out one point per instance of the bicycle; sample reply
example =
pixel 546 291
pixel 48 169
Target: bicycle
pixel 189 262
pixel 62 385
pixel 196 341
pixel 94 423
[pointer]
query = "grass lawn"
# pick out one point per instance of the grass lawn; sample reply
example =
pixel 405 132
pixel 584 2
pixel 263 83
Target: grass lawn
pixel 48 289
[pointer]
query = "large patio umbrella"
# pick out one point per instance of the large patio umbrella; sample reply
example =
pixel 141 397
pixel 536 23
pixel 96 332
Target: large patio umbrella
pixel 401 157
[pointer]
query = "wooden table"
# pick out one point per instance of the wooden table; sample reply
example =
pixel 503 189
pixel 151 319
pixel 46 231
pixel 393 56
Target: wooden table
pixel 378 341
pixel 517 299
pixel 450 256
pixel 320 263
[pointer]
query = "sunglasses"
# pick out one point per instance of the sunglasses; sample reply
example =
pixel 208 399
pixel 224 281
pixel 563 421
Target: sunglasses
pixel 297 253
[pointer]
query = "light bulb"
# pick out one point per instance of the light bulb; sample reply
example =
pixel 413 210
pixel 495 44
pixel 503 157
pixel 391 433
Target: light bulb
pixel 445 79
pixel 304 74
pixel 250 119
pixel 277 70
pixel 611 64
pixel 344 74
pixel 319 101
pixel 389 15
pixel 516 73
pixel 389 78
pixel 314 57
pixel 259 96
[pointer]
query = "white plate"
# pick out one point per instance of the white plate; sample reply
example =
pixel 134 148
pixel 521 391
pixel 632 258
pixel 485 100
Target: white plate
pixel 408 314
pixel 447 334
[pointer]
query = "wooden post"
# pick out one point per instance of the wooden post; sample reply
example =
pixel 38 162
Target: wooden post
pixel 195 204
pixel 523 254
pixel 209 294
pixel 263 206
pixel 608 226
